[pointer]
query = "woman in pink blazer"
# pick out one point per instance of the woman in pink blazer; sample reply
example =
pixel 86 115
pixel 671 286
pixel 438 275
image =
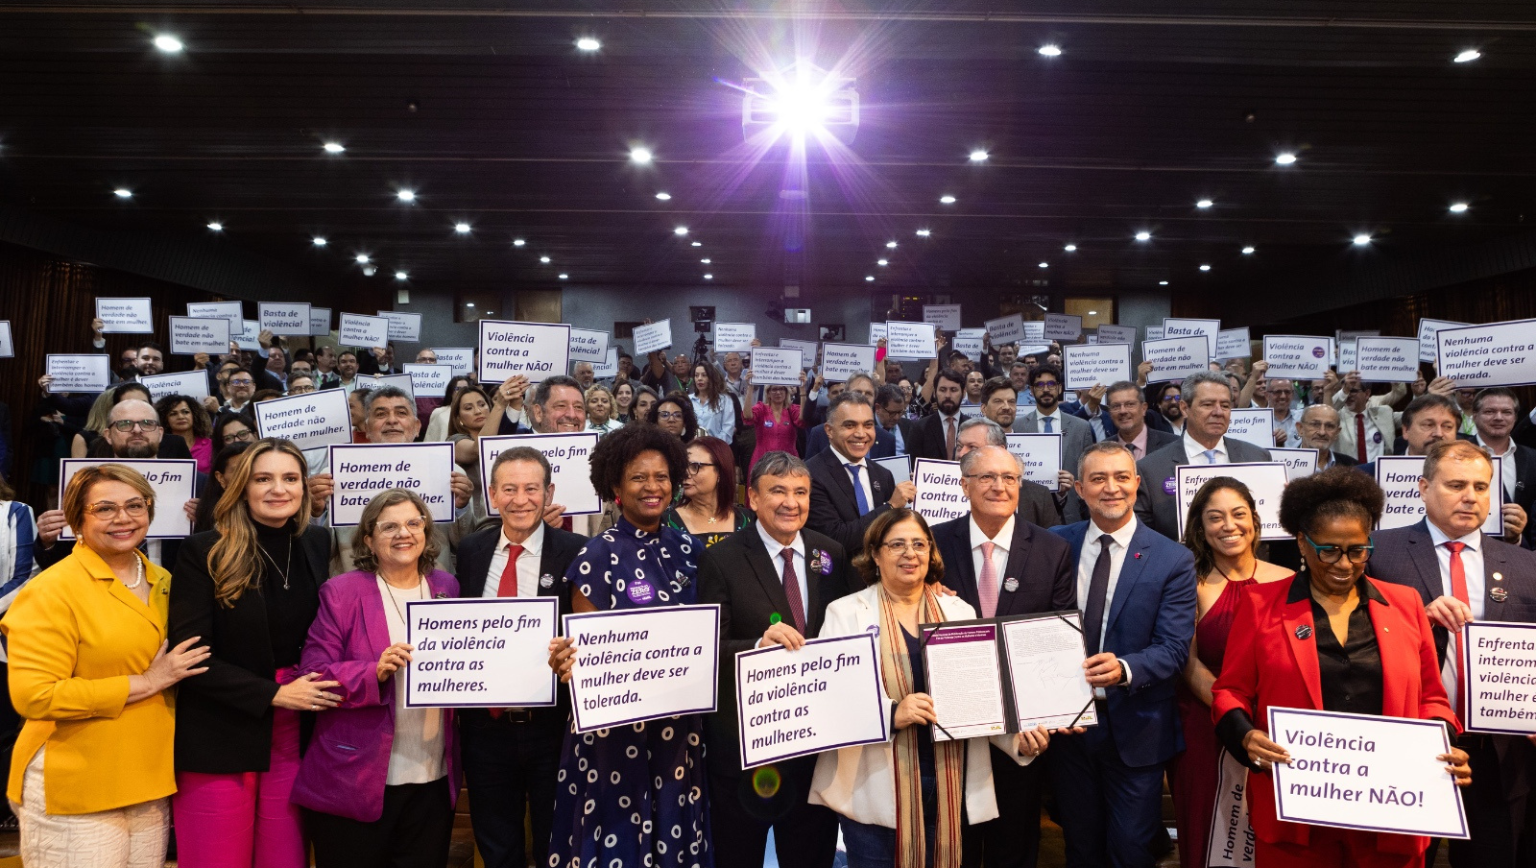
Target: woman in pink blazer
pixel 379 780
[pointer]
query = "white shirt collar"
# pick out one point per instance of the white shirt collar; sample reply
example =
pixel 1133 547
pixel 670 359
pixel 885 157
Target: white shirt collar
pixel 1473 540
pixel 1122 537
pixel 533 545
pixel 1054 414
pixel 1507 453
pixel 1004 538
pixel 775 547
pixel 843 459
pixel 1193 448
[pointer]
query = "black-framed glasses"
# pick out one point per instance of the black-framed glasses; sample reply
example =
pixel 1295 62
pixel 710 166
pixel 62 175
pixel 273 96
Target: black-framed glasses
pixel 126 425
pixel 244 435
pixel 1045 384
pixel 696 467
pixel 1331 554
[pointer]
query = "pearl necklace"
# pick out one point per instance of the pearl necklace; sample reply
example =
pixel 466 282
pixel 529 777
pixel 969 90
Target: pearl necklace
pixel 138 563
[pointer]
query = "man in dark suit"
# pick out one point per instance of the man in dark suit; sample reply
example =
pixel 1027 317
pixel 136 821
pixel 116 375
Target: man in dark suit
pixel 1465 575
pixel 512 755
pixel 935 435
pixel 847 490
pixel 1206 402
pixel 1494 412
pixel 772 581
pixel 891 419
pixel 1036 504
pixel 885 441
pixel 1137 592
pixel 1002 565
pixel 1048 416
pixel 1124 418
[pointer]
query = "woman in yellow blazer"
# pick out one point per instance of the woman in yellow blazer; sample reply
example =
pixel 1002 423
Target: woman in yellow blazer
pixel 89 668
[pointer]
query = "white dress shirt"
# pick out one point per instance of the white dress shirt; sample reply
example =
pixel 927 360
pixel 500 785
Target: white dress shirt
pixel 775 549
pixel 1054 416
pixel 527 565
pixel 1120 543
pixel 863 480
pixel 1472 564
pixel 1507 467
pixel 1376 440
pixel 1000 544
pixel 1195 453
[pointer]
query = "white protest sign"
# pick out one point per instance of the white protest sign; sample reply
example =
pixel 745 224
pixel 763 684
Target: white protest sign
pixel 404 382
pixel 1347 358
pixel 841 361
pixel 226 310
pixel 1173 359
pixel 1006 329
pixel 1496 657
pixel 1041 454
pixel 1495 354
pixel 969 342
pixel 1034 332
pixel 7 344
pixel 1298 462
pixel 1154 333
pixel 1090 365
pixel 1063 327
pixel 734 337
pixel 125 316
pixel 284 317
pixel 944 316
pixel 193 335
pixel 641 664
pixel 360 471
pixel 1298 357
pixel 609 366
pixel 900 467
pixel 807 350
pixel 403 326
pixel 588 345
pixel 312 421
pixel 85 372
pixel 535 350
pixel 776 366
pixel 652 337
pixel 1265 481
pixel 1234 343
pixel 173 480
pixel 362 331
pixel 876 333
pixel 1427 328
pixel 1387 360
pixel 570 465
pixel 825 696
pixel 249 337
pixel 319 321
pixel 1365 772
pixel 909 340
pixel 939 497
pixel 193 384
pixel 1174 327
pixel 461 359
pixel 1254 425
pixel 1398 476
pixel 1091 339
pixel 480 653
pixel 1116 334
pixel 428 380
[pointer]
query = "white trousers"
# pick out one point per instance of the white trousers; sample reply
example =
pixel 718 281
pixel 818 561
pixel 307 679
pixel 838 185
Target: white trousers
pixel 130 837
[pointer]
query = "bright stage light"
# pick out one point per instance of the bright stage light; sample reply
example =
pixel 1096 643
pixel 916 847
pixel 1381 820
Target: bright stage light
pixel 799 100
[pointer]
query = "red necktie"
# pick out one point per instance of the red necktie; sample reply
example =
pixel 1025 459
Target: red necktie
pixel 1459 591
pixel 792 592
pixel 1360 437
pixel 508 586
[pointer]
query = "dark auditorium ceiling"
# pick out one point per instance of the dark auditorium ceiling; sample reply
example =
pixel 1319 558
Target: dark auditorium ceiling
pixel 492 116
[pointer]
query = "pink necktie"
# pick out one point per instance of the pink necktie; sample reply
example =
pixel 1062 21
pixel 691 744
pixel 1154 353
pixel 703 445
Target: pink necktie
pixel 987 585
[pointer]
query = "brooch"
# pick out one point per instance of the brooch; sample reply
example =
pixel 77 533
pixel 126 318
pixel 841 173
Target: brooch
pixel 546 581
pixel 821 562
pixel 1499 595
pixel 1010 585
pixel 1136 556
pixel 1303 632
pixel 1498 577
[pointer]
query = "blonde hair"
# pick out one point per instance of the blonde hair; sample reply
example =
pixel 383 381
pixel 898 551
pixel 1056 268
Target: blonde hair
pixel 234 561
pixel 74 501
pixel 613 402
pixel 101 411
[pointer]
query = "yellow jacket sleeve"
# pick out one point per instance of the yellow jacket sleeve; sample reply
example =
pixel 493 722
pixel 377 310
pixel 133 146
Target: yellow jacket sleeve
pixel 43 639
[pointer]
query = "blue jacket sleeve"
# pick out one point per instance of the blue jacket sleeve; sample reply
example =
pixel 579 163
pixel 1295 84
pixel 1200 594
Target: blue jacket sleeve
pixel 1164 657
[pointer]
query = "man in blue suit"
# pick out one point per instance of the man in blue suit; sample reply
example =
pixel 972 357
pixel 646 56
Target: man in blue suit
pixel 1137 592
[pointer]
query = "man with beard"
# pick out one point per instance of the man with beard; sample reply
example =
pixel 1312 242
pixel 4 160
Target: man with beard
pixel 1045 383
pixel 1319 426
pixel 937 434
pixel 151 359
pixel 1168 405
pixel 346 369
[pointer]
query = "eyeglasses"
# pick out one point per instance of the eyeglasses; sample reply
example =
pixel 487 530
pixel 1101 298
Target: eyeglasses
pixel 901 547
pixel 695 467
pixel 1331 554
pixel 244 435
pixel 393 528
pixel 106 510
pixel 1124 405
pixel 1321 426
pixel 1008 480
pixel 666 414
pixel 126 425
pixel 241 382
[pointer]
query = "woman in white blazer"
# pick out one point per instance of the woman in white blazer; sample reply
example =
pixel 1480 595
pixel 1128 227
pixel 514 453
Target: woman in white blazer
pixel 901 804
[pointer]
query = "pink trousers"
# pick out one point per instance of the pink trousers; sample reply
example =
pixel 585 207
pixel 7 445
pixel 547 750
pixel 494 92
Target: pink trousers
pixel 243 820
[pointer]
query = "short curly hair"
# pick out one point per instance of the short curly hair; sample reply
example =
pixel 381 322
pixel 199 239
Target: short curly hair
pixel 1339 492
pixel 618 449
pixel 683 403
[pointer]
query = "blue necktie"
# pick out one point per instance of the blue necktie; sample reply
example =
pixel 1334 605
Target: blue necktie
pixel 858 490
pixel 1210 456
pixel 1047 420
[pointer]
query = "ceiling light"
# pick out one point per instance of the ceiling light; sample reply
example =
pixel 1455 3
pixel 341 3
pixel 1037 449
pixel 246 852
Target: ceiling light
pixel 216 226
pixel 869 277
pixel 1050 50
pixel 664 196
pixel 680 231
pixel 544 259
pixel 171 45
pixel 490 312
pixel 1162 283
pixel 1248 251
pixel 698 244
pixel 362 258
pixel 123 193
pixel 923 233
pixel 705 260
pixel 1362 240
pixel 334 147
pixel 564 276
pixel 1070 248
pixel 1285 158
pixel 709 277
pixel 319 242
pixel 461 228
pixel 1143 236
pixel 882 262
pixel 469 304
pixel 587 43
pixel 518 242
pixel 978 156
pixel 1467 56
pixel 1093 313
pixel 370 270
pixel 947 199
pixel 1045 265
pixel 640 155
pixel 1205 268
pixel 1459 207
pixel 400 275
pixel 1204 203
pixel 406 195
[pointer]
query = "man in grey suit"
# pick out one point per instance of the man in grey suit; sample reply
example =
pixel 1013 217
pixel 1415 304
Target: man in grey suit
pixel 1045 383
pixel 1206 402
pixel 1463 575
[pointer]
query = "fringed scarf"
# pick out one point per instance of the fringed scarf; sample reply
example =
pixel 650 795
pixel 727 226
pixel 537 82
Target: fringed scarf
pixel 949 756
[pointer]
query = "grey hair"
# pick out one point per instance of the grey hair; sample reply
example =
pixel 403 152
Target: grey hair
pixel 971 457
pixel 995 434
pixel 382 392
pixel 541 392
pixel 1193 381
pixel 1125 386
pixel 1110 447
pixel 777 464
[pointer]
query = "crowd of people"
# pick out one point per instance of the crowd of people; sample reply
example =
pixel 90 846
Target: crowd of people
pixel 238 694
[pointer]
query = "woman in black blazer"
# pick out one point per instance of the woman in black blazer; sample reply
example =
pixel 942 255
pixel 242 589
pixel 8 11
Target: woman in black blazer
pixel 250 588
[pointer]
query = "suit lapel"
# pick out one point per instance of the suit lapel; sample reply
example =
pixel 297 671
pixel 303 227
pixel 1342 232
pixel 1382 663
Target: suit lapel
pixel 1297 615
pixel 840 479
pixel 375 623
pixel 1018 554
pixel 771 580
pixel 964 569
pixel 1421 550
pixel 1383 618
pixel 1136 559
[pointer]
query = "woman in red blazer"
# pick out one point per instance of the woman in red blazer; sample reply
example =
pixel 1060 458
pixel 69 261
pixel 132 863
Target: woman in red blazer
pixel 1331 639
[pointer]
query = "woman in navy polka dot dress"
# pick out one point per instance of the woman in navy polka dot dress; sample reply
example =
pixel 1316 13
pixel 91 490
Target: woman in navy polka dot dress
pixel 635 795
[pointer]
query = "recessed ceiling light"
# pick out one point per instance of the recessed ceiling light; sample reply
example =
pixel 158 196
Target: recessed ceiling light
pixel 1070 248
pixel 518 242
pixel 123 193
pixel 1204 203
pixel 709 277
pixel 640 155
pixel 469 304
pixel 489 312
pixel 1093 313
pixel 171 45
pixel 1248 251
pixel 698 244
pixel 362 258
pixel 979 156
pixel 1050 50
pixel 891 245
pixel 406 195
pixel 334 148
pixel 1467 56
pixel 705 260
pixel 1285 158
pixel 1162 283
pixel 869 277
pixel 544 259
pixel 680 231
pixel 1045 265
pixel 1205 268
pixel 1459 207
pixel 318 241
pixel 564 276
pixel 461 228
pixel 947 199
pixel 882 262
pixel 1143 235
pixel 1362 240
pixel 400 275
pixel 664 196
pixel 924 233
pixel 587 43
pixel 216 226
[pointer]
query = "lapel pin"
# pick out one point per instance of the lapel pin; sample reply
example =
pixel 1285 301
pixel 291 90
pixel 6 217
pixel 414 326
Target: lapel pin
pixel 1499 595
pixel 1010 585
pixel 1303 632
pixel 1498 577
pixel 1136 556
pixel 546 581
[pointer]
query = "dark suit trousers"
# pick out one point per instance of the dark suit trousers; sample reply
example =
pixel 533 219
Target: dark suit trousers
pixel 1013 839
pixel 510 767
pixel 1109 811
pixel 1489 813
pixel 803 834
